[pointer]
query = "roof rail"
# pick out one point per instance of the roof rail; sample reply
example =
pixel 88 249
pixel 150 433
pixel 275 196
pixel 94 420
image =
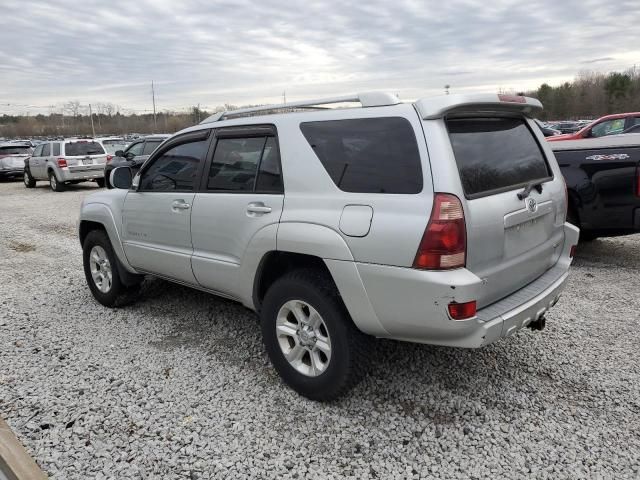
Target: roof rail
pixel 366 99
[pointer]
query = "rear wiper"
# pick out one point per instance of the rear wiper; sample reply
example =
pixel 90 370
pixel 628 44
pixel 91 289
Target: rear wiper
pixel 527 190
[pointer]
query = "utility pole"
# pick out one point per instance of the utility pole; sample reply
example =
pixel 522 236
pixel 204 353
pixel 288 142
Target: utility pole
pixel 153 96
pixel 93 130
pixel 284 97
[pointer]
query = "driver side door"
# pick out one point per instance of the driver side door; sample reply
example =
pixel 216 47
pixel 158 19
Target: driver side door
pixel 156 229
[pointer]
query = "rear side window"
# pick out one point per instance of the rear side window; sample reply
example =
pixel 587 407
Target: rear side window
pixel 495 154
pixel 149 147
pixel 81 148
pixel 368 155
pixel 56 149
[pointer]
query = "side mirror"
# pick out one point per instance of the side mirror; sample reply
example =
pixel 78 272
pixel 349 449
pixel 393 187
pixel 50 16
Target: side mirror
pixel 121 177
pixel 119 153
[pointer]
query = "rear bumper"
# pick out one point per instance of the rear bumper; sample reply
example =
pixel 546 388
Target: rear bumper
pixel 411 305
pixel 90 172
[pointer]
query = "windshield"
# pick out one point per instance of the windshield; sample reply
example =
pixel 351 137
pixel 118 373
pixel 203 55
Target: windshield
pixel 113 147
pixel 17 150
pixel 82 148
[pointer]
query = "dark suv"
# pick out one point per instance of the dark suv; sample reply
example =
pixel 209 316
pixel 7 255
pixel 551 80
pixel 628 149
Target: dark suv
pixel 134 155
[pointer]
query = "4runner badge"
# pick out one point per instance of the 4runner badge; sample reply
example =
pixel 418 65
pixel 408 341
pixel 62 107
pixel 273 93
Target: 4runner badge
pixel 532 205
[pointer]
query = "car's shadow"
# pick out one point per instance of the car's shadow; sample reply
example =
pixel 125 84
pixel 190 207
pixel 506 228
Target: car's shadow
pixel 414 378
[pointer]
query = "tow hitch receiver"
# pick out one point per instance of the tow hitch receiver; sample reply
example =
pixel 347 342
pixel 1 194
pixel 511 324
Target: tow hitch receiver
pixel 539 324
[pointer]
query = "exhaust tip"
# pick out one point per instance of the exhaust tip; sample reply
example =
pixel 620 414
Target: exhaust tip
pixel 539 324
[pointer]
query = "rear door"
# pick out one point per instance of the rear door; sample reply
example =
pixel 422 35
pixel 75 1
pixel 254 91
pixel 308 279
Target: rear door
pixel 514 230
pixel 156 230
pixel 240 197
pixel 35 163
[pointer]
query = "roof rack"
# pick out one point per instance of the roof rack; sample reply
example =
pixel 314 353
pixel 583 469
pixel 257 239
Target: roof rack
pixel 366 99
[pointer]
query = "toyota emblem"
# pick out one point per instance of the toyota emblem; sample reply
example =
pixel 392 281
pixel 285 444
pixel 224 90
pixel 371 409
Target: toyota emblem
pixel 532 205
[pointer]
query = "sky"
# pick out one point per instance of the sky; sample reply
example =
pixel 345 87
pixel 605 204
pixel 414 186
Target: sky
pixel 212 52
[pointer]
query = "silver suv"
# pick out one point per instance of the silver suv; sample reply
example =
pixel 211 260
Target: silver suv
pixel 440 221
pixel 65 162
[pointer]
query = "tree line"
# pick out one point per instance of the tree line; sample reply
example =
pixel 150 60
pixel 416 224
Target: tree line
pixel 589 95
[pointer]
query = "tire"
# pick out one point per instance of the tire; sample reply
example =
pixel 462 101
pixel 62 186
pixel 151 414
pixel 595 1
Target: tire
pixel 29 181
pixel 101 182
pixel 334 374
pixel 55 185
pixel 110 292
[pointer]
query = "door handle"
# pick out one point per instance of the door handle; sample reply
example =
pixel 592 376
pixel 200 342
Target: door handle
pixel 258 208
pixel 180 205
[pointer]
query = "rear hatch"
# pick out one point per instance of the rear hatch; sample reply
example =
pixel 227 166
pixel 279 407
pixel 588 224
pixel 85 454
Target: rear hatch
pixel 514 204
pixel 487 150
pixel 82 155
pixel 14 156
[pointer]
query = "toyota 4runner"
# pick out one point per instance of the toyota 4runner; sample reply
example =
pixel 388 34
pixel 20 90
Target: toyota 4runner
pixel 440 221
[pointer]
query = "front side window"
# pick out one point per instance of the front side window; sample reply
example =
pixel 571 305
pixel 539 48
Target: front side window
pixel 38 151
pixel 150 146
pixel 609 127
pixel 46 150
pixel 235 164
pixel 176 169
pixel 135 149
pixel 368 155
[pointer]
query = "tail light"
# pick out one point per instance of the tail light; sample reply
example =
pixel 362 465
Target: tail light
pixel 462 311
pixel 444 243
pixel 109 158
pixel 62 162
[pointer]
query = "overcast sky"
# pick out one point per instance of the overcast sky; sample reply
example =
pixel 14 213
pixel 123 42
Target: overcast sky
pixel 214 52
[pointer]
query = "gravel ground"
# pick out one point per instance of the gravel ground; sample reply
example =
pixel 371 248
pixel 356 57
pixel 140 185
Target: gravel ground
pixel 179 385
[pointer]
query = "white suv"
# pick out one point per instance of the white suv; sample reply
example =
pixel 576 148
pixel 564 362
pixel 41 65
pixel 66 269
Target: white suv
pixel 65 162
pixel 441 221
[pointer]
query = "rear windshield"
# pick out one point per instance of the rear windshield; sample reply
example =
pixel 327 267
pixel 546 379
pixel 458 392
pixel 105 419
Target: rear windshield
pixel 368 155
pixel 15 150
pixel 495 154
pixel 77 149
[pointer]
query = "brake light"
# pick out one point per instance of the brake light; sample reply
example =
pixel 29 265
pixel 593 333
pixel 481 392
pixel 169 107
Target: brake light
pixel 62 162
pixel 109 158
pixel 462 311
pixel 444 242
pixel 512 98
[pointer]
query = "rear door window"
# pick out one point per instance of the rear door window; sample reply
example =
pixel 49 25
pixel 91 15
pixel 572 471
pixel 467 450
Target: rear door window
pixel 56 149
pixel 150 146
pixel 235 164
pixel 495 154
pixel 46 150
pixel 82 149
pixel 368 155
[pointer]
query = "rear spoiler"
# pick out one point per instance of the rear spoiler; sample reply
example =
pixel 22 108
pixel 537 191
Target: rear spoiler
pixel 443 105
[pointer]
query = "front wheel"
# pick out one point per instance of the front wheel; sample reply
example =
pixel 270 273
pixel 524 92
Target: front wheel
pixel 310 338
pixel 101 270
pixel 55 185
pixel 29 181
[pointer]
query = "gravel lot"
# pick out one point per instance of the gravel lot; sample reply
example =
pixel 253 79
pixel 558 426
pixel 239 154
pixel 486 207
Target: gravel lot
pixel 179 385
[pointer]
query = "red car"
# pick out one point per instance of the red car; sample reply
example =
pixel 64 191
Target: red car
pixel 607 125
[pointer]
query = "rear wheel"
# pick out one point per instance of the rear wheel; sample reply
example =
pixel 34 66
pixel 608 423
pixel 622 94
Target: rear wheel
pixel 29 181
pixel 55 185
pixel 100 182
pixel 310 338
pixel 102 272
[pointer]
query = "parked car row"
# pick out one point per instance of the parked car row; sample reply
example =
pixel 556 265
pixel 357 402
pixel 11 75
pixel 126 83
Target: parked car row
pixel 616 124
pixel 70 161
